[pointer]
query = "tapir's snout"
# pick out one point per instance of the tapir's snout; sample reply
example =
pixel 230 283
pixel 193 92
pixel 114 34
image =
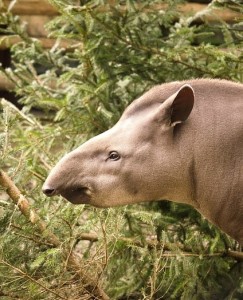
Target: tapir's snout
pixel 48 191
pixel 75 195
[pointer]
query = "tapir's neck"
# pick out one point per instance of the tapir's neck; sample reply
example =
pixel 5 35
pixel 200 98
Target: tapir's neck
pixel 177 174
pixel 180 190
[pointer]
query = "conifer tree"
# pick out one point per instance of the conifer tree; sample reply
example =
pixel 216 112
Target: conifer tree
pixel 116 50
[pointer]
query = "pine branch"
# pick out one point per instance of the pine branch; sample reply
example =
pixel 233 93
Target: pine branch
pixel 167 248
pixel 73 263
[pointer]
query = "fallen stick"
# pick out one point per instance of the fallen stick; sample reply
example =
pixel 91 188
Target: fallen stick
pixel 73 263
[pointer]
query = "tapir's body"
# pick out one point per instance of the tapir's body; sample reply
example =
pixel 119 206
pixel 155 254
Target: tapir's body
pixel 181 141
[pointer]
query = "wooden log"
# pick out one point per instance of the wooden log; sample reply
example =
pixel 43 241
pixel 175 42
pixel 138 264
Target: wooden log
pixel 33 7
pixel 30 7
pixel 47 43
pixel 35 25
pixel 31 11
pixel 198 9
pixel 6 84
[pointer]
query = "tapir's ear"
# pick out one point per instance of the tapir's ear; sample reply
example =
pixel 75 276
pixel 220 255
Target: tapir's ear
pixel 178 107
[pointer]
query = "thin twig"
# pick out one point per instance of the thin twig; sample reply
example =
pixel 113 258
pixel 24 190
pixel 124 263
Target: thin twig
pixel 37 239
pixel 105 241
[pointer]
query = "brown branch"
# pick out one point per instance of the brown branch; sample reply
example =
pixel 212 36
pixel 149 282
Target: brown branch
pixel 92 237
pixel 167 248
pixel 73 263
pixel 25 208
pixel 235 254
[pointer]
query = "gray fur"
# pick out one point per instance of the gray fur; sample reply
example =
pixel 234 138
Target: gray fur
pixel 181 141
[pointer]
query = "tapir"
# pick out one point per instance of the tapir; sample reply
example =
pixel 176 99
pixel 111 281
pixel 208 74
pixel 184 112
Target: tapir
pixel 181 141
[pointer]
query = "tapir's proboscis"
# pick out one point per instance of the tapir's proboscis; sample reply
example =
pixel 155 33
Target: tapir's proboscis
pixel 180 141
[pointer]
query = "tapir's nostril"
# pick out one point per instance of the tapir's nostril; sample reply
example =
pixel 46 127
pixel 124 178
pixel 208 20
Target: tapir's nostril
pixel 49 191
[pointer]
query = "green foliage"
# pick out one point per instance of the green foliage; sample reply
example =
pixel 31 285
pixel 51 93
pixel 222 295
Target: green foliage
pixel 117 51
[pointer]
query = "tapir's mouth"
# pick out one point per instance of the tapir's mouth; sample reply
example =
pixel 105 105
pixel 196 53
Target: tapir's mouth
pixel 77 195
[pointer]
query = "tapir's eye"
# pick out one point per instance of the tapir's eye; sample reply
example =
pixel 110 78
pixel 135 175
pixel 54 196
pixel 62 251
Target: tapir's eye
pixel 113 155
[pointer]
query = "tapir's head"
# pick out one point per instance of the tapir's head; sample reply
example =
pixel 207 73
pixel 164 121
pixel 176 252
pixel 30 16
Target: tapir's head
pixel 125 164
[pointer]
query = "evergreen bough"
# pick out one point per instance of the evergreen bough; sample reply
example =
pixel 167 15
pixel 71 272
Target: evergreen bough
pixel 50 249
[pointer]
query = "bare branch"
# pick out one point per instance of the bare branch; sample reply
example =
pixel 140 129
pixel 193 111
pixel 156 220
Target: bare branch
pixel 25 208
